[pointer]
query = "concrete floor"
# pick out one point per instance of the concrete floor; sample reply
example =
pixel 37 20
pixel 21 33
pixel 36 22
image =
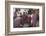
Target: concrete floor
pixel 26 25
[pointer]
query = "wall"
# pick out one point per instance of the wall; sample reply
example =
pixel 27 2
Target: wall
pixel 2 18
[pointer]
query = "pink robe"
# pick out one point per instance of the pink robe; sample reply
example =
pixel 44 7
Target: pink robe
pixel 18 21
pixel 34 20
